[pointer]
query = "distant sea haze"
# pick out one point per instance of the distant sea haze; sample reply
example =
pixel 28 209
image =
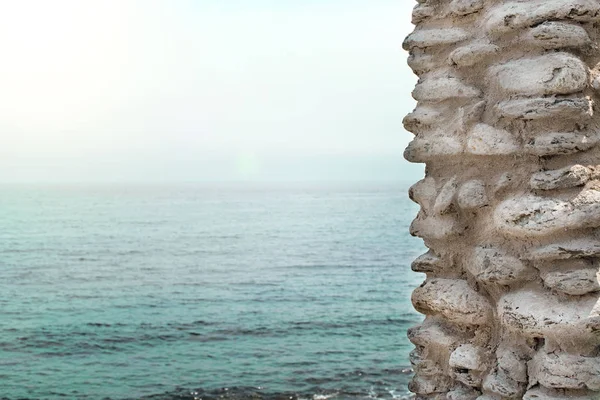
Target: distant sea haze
pixel 206 291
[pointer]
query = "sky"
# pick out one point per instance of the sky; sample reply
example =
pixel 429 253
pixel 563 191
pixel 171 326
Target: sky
pixel 204 90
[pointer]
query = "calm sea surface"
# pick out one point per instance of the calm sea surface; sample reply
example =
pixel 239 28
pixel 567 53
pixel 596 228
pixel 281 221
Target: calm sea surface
pixel 195 292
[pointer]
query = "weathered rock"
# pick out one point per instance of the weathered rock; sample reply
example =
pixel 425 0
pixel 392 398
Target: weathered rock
pixel 535 216
pixel 472 195
pixel 445 199
pixel 576 108
pixel 514 15
pixel 540 313
pixel 472 53
pixel 427 263
pixel 423 192
pixel 435 145
pixel 434 227
pixel 492 265
pixel 540 393
pixel 506 121
pixel 432 335
pixel 465 7
pixel 499 383
pixel 554 73
pixel 576 282
pixel 421 119
pixel 560 143
pixel 422 63
pixel 565 371
pixel 577 248
pixel 453 299
pixel 512 361
pixel 421 12
pixel 462 393
pixel 557 35
pixel 440 89
pixel 434 37
pixel 576 175
pixel 470 357
pixel 487 140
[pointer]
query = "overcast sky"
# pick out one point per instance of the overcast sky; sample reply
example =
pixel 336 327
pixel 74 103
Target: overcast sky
pixel 194 90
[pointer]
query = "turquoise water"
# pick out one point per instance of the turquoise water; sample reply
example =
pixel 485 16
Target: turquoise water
pixel 198 292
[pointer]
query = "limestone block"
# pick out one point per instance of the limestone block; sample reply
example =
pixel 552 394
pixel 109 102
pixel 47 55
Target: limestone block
pixel 499 383
pixel 536 216
pixel 453 299
pixel 465 7
pixel 576 248
pixel 445 199
pixel 422 63
pixel 565 371
pixel 514 15
pixel 421 12
pixel 469 357
pixel 575 175
pixel 492 265
pixel 422 149
pixel 575 282
pixel 540 393
pixel 425 38
pixel 556 35
pixel 554 73
pixel 440 89
pixel 427 263
pixel 434 227
pixel 575 108
pixel 556 143
pixel 432 335
pixel 472 195
pixel 487 140
pixel 540 313
pixel 423 192
pixel 473 53
pixel 421 119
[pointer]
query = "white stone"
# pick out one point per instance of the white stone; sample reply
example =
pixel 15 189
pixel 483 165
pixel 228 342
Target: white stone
pixel 421 149
pixel 541 313
pixel 575 282
pixel 471 357
pixel 445 198
pixel 555 73
pixel 575 175
pixel 565 371
pixel 493 265
pixel 440 89
pixel 465 7
pixel 535 216
pixel 577 248
pixel 472 54
pixel 453 299
pixel 427 263
pixel 514 15
pixel 555 143
pixel 556 35
pixel 472 195
pixel 423 192
pixel 424 38
pixel 487 140
pixel 575 108
pixel 421 119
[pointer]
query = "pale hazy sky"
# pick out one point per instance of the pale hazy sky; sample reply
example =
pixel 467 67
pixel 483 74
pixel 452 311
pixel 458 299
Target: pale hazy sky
pixel 189 90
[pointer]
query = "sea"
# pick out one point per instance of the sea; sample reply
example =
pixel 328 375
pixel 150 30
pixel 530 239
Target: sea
pixel 206 291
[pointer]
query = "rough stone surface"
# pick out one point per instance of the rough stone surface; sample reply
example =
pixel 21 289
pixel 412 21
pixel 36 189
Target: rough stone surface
pixel 507 122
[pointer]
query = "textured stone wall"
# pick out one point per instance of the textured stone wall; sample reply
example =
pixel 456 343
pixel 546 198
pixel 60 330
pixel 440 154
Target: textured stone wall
pixel 507 123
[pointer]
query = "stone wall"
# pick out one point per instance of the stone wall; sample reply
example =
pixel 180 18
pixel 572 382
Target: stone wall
pixel 508 127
